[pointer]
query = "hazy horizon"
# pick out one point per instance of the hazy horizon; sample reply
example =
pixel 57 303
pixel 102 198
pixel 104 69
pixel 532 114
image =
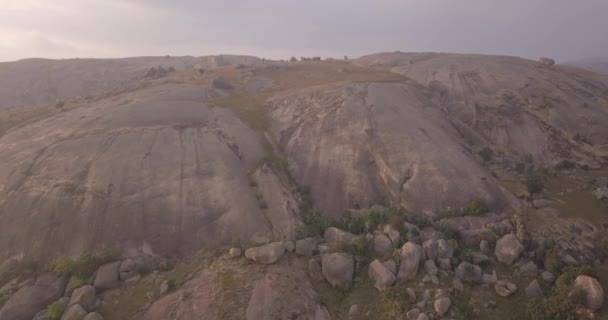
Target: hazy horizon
pixel 65 29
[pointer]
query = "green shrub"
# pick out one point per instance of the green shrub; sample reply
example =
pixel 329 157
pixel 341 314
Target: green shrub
pixel 393 303
pixel 535 183
pixel 76 282
pixel 55 311
pixel 561 303
pixel 359 247
pixel 64 265
pixel 476 207
pixel 89 262
pixel 314 224
pixel 486 154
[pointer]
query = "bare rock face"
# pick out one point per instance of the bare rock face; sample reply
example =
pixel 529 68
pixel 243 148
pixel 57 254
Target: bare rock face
pixel 154 171
pixel 351 144
pixel 591 291
pixel 108 276
pixel 508 249
pixel 511 103
pixel 338 269
pixel 337 238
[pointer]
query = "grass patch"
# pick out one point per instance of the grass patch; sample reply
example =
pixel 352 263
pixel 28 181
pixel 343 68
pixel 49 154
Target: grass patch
pixel 477 207
pixel 230 287
pixel 130 301
pixel 55 311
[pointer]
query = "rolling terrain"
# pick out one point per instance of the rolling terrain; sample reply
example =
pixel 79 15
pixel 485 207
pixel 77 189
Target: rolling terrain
pixel 177 159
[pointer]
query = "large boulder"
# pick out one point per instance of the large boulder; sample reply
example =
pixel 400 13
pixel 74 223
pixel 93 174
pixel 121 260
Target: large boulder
pixel 468 272
pixel 411 254
pixel 337 238
pixel 381 277
pixel 534 290
pixel 75 312
pixel 128 269
pixel 29 300
pixel 546 61
pixel 338 269
pixel 505 288
pixel 266 254
pixel 430 249
pixel 108 276
pixel 382 244
pixel 590 290
pixel 93 316
pixel 84 296
pixel 442 305
pixel 306 247
pixel 508 249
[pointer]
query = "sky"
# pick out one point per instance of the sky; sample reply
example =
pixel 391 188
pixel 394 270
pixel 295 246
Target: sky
pixel 278 29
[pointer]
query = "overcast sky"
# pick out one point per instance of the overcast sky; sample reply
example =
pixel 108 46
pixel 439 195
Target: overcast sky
pixel 562 29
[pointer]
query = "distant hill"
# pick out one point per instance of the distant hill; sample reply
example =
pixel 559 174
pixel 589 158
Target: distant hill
pixel 599 65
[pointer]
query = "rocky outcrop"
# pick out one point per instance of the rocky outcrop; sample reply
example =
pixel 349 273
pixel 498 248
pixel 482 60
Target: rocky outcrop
pixel 30 299
pixel 338 269
pixel 508 249
pixel 75 312
pixel 590 290
pixel 266 254
pixel 411 255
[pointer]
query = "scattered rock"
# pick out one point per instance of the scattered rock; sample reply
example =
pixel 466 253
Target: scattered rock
pixel 306 247
pixel 601 193
pixel 164 287
pixel 338 269
pixel 458 285
pixel 591 291
pixel 508 249
pixel 337 238
pixel 289 246
pixel 235 252
pixel 266 254
pixel 444 250
pixel 442 305
pixel 128 269
pixel 353 310
pixel 107 276
pixel 529 269
pixel 382 244
pixel 411 254
pixel 468 272
pixel 430 267
pixel 534 290
pixel 430 249
pixel 411 294
pixel 393 235
pixel 75 312
pixel 413 314
pixel 445 264
pixel 84 296
pixel 93 316
pixel 548 276
pixel 423 316
pixel 380 275
pixel 541 203
pixel 484 246
pixel 479 258
pixel 505 288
